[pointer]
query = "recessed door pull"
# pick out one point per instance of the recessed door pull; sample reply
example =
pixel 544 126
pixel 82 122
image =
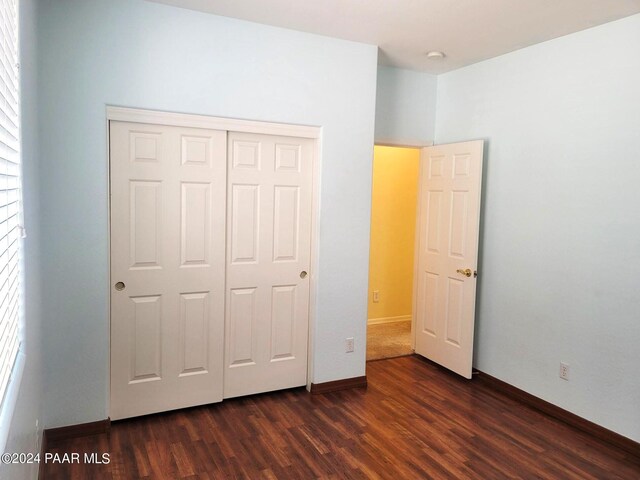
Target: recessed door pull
pixel 120 286
pixel 303 274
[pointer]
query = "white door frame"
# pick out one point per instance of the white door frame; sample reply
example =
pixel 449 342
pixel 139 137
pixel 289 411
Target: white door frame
pixel 135 115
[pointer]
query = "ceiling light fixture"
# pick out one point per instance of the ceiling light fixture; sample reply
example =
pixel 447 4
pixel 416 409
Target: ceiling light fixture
pixel 435 55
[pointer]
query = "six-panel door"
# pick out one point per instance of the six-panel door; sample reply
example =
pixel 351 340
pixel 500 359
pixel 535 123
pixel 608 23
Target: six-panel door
pixel 186 238
pixel 168 200
pixel 268 257
pixel 450 186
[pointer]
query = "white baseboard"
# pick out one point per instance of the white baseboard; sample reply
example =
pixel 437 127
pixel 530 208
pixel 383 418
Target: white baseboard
pixel 401 318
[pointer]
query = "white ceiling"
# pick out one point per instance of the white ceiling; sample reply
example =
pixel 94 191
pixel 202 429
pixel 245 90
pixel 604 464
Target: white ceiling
pixel 468 31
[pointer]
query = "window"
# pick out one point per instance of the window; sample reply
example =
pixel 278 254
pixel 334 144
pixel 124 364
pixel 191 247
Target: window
pixel 10 197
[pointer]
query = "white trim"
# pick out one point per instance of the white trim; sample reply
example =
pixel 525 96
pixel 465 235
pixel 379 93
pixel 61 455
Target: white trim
pixel 108 286
pixel 392 143
pixel 155 117
pixel 11 398
pixel 416 252
pixel 315 258
pixel 381 320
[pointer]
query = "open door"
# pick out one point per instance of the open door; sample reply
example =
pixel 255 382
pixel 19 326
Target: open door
pixel 449 218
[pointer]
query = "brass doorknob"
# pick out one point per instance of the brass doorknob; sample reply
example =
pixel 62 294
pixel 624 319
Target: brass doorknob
pixel 303 274
pixel 466 272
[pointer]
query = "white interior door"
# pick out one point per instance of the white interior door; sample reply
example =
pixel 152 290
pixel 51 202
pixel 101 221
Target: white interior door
pixel 268 257
pixel 167 267
pixel 450 187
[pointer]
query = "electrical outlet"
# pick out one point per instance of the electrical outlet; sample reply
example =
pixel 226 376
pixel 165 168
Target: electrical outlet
pixel 348 343
pixel 376 296
pixel 564 371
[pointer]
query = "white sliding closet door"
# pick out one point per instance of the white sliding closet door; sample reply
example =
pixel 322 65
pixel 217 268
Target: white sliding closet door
pixel 168 208
pixel 268 257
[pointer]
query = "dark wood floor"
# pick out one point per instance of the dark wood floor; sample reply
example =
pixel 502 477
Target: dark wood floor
pixel 413 421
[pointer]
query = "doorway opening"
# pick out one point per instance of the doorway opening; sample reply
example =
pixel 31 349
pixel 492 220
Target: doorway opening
pixel 391 258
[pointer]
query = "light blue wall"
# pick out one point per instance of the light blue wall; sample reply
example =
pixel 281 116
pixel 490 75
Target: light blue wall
pixel 405 107
pixel 141 54
pixel 22 434
pixel 560 240
pixel 561 243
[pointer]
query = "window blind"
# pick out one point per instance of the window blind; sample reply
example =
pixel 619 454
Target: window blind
pixel 10 196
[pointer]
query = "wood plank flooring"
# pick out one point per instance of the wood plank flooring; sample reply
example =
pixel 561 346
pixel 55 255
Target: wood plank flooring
pixel 414 421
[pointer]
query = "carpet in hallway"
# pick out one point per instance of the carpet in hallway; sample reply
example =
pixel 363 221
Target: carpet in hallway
pixel 387 340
